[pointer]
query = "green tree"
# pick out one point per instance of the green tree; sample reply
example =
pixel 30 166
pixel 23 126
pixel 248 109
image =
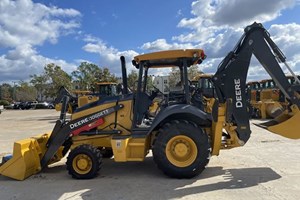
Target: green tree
pixel 6 92
pixel 132 79
pixel 40 84
pixel 26 92
pixel 86 75
pixel 175 74
pixel 107 76
pixel 193 71
pixel 56 77
pixel 149 84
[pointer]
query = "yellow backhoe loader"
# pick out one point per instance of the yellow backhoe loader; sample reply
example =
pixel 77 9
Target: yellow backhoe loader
pixel 79 98
pixel 266 101
pixel 182 136
pixel 204 92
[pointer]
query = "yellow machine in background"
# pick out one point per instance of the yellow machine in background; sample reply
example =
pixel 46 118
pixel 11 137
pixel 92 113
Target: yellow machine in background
pixel 253 89
pixel 182 136
pixel 266 99
pixel 102 89
pixel 204 91
pixel 204 82
pixel 269 90
pixel 83 97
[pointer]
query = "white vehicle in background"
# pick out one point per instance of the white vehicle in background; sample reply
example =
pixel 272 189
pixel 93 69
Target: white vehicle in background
pixel 1 108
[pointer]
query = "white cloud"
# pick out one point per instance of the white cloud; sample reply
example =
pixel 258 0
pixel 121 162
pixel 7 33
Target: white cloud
pixel 221 22
pixel 222 13
pixel 25 25
pixel 109 56
pixel 25 22
pixel 162 44
pixel 236 12
pixel 20 63
pixel 212 17
pixel 217 26
pixel 179 13
pixel 287 37
pixel 210 65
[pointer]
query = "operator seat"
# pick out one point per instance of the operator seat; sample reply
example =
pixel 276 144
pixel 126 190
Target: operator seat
pixel 143 107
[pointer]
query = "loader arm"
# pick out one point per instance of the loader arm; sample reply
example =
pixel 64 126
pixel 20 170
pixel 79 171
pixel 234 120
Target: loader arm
pixel 230 78
pixel 63 130
pixel 73 102
pixel 31 155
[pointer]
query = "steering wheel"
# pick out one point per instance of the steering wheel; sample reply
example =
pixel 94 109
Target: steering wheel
pixel 155 92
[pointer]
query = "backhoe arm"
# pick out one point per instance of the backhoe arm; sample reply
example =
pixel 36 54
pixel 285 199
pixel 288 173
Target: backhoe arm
pixel 230 78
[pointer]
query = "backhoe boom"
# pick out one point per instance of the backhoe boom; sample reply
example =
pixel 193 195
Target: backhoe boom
pixel 230 78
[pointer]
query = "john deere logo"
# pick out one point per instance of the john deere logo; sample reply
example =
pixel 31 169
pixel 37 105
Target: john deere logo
pixel 88 119
pixel 238 93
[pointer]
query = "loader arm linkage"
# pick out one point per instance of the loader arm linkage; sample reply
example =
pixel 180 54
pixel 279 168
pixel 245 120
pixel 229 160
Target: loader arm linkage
pixel 230 78
pixel 62 93
pixel 31 155
pixel 62 131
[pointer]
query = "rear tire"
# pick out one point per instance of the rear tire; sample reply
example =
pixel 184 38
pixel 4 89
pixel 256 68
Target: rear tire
pixel 181 149
pixel 84 162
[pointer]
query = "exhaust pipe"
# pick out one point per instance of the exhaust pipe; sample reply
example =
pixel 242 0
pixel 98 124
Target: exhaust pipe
pixel 124 75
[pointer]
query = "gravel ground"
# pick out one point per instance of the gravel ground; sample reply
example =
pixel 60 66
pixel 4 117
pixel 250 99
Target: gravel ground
pixel 267 167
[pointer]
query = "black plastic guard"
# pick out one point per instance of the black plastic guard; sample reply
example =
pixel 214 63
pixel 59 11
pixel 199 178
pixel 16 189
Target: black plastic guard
pixel 181 111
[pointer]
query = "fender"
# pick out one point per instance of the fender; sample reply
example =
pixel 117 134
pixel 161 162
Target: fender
pixel 181 111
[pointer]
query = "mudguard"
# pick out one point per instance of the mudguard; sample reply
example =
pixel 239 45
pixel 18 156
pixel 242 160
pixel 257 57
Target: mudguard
pixel 181 111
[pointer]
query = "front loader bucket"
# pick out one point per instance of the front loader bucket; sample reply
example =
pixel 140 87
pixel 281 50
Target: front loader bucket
pixel 26 158
pixel 287 124
pixel 31 155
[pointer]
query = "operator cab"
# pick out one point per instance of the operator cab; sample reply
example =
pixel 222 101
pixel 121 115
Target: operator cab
pixel 204 85
pixel 106 89
pixel 180 59
pixel 253 89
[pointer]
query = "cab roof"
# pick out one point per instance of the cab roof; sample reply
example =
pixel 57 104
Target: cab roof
pixel 170 58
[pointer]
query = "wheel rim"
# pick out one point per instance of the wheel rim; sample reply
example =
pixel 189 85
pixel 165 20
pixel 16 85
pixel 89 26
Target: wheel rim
pixel 82 164
pixel 181 151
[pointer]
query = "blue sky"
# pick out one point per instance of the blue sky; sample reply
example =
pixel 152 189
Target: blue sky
pixel 36 32
pixel 121 24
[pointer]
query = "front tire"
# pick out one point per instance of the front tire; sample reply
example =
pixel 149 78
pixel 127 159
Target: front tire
pixel 84 162
pixel 181 149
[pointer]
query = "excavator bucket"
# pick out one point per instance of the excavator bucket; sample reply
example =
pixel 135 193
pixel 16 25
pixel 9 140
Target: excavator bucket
pixel 286 124
pixel 26 158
